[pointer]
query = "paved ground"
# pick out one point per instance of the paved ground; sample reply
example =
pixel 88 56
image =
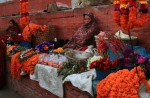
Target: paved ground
pixel 7 93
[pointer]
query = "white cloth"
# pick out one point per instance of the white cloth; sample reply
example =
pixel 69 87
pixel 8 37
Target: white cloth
pixel 82 81
pixel 48 79
pixel 142 92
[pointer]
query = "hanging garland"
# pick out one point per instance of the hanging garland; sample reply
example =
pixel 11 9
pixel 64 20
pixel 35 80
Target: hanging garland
pixel 31 30
pixel 24 8
pixel 125 13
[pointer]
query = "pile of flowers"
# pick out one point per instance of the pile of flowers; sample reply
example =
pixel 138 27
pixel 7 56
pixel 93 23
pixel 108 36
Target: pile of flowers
pixel 23 61
pixel 58 50
pixel 31 30
pixel 130 58
pixel 122 84
pixel 109 41
pixel 44 47
pixel 104 64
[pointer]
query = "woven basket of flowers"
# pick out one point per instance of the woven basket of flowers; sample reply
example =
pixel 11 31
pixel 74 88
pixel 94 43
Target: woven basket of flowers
pixel 47 35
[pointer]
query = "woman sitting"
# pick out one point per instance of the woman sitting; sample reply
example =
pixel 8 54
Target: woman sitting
pixel 12 31
pixel 84 33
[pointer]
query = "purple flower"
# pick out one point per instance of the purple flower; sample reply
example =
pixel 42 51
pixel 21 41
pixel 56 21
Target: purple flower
pixel 40 47
pixel 142 59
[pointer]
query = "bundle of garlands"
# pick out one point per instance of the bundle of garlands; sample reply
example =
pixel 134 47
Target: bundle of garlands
pixel 24 9
pixel 109 41
pixel 126 15
pixel 122 84
pixel 31 30
pixel 72 67
pixel 23 61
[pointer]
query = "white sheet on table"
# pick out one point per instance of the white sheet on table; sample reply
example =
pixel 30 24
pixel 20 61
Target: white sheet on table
pixel 48 79
pixel 83 81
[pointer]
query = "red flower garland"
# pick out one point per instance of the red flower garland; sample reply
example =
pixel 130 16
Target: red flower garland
pixel 125 13
pixel 24 8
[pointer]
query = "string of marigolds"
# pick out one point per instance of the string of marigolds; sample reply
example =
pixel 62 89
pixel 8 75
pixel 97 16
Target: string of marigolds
pixel 125 13
pixel 24 8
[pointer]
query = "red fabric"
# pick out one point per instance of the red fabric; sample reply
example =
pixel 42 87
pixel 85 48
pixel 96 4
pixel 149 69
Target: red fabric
pixel 2 65
pixel 12 30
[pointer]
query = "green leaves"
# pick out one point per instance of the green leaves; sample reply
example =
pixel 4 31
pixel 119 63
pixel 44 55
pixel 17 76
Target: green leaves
pixel 72 67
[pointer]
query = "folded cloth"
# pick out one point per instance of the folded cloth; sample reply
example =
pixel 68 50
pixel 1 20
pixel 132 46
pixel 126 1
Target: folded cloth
pixel 83 81
pixel 122 35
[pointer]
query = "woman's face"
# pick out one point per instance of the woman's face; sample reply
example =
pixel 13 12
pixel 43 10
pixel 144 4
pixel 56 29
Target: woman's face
pixel 86 19
pixel 10 24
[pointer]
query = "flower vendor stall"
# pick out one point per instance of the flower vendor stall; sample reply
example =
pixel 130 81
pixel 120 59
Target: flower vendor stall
pixel 112 69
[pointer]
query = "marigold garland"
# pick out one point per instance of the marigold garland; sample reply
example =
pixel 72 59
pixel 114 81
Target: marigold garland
pixel 122 84
pixel 24 8
pixel 31 29
pixel 125 13
pixel 25 66
pixel 29 64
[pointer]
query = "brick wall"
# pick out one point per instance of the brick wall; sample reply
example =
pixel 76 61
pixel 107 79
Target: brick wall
pixel 68 21
pixel 12 7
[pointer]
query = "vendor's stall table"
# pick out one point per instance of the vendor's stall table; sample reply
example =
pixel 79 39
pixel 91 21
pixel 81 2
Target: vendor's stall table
pixel 31 89
pixel 26 87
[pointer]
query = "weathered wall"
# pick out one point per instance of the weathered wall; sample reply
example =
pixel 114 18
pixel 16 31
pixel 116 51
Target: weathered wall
pixel 68 21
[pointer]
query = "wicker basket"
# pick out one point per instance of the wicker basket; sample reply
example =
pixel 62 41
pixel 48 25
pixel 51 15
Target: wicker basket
pixel 48 35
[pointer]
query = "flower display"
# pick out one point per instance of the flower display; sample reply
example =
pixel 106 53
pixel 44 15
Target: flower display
pixel 44 47
pixel 141 59
pixel 121 84
pixel 109 41
pixel 27 65
pixel 59 50
pixel 31 30
pixel 104 64
pixel 125 13
pixel 24 55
